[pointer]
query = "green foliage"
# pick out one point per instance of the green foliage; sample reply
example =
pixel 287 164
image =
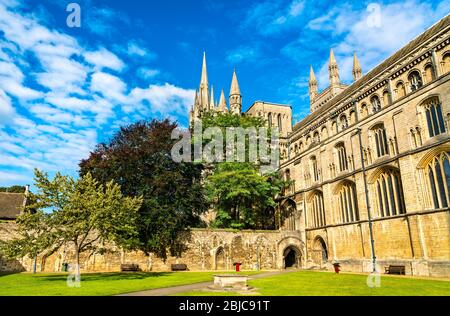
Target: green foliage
pixel 13 189
pixel 82 213
pixel 138 157
pixel 242 197
pixel 224 120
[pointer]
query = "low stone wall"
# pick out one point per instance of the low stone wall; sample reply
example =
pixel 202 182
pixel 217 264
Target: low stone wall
pixel 205 250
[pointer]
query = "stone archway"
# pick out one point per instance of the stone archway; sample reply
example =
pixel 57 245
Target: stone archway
pixel 220 261
pixel 291 257
pixel 319 251
pixel 284 248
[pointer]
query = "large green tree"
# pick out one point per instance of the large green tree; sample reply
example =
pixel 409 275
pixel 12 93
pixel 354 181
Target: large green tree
pixel 82 213
pixel 241 195
pixel 138 157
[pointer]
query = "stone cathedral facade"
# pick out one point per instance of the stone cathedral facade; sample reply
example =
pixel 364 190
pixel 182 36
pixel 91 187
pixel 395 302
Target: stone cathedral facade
pixel 369 166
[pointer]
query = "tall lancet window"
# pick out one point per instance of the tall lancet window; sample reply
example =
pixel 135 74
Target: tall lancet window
pixel 381 142
pixel 389 191
pixel 435 119
pixel 342 157
pixel 348 203
pixel 279 122
pixel 438 171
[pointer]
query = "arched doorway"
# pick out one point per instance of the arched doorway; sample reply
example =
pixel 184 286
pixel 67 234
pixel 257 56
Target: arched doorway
pixel 291 257
pixel 320 251
pixel 220 259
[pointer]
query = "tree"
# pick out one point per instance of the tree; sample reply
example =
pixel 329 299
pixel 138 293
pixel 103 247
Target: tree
pixel 240 194
pixel 81 213
pixel 13 189
pixel 138 157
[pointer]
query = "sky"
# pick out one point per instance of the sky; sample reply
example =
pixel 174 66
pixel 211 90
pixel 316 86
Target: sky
pixel 65 89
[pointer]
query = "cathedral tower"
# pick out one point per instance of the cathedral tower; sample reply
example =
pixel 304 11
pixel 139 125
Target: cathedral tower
pixel 235 96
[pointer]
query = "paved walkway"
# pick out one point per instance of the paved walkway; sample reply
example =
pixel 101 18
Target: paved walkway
pixel 196 286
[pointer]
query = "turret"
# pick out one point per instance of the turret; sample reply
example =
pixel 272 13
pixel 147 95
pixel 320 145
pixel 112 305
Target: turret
pixel 313 86
pixel 357 70
pixel 235 96
pixel 333 71
pixel 222 103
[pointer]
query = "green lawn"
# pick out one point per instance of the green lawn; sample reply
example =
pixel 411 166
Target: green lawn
pixel 306 283
pixel 51 284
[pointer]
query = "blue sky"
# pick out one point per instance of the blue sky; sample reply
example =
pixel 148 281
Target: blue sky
pixel 63 90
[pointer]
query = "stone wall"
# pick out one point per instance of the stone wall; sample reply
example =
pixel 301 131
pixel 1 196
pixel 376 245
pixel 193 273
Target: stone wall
pixel 205 250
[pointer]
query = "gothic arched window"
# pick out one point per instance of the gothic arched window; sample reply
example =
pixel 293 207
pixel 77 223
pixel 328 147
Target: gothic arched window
pixel 415 81
pixel 438 171
pixel 381 142
pixel 317 211
pixel 401 91
pixel 344 122
pixel 316 137
pixel 386 100
pixel 364 111
pixel 376 104
pixel 270 119
pixel 435 119
pixel 389 193
pixel 324 133
pixel 352 117
pixel 279 122
pixel 348 203
pixel 342 157
pixel 446 62
pixel 429 73
pixel 314 168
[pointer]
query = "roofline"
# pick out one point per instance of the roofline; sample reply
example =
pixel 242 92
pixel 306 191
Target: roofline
pixel 271 103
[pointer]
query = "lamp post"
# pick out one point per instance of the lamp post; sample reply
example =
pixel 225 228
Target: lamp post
pixel 369 217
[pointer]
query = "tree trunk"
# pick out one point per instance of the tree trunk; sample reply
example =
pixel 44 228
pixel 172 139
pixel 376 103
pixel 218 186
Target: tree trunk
pixel 78 263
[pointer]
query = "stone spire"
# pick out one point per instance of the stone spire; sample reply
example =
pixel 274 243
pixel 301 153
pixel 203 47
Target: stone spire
pixel 333 71
pixel 235 95
pixel 204 89
pixel 357 70
pixel 313 86
pixel 222 103
pixel 211 100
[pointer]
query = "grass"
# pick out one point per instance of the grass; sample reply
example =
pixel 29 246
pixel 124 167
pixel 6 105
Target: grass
pixel 308 283
pixel 55 284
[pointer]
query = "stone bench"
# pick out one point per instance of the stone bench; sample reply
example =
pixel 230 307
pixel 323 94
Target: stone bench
pixel 129 267
pixel 395 269
pixel 179 267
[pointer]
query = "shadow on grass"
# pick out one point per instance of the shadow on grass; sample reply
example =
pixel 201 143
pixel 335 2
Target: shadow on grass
pixel 113 276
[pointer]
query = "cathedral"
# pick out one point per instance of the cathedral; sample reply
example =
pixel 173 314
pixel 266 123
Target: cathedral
pixel 369 167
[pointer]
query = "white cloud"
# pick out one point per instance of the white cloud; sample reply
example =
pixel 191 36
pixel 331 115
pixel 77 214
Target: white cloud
pixel 111 87
pixel 103 58
pixel 148 73
pixel 243 53
pixel 400 23
pixel 163 99
pixel 54 105
pixel 6 109
pixel 272 17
